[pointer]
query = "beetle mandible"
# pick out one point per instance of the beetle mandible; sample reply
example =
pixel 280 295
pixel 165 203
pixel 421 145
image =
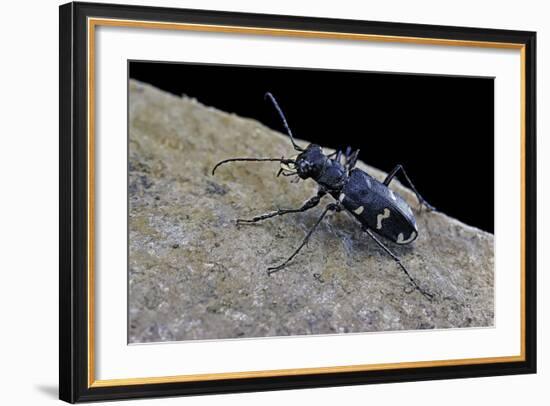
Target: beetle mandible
pixel 379 210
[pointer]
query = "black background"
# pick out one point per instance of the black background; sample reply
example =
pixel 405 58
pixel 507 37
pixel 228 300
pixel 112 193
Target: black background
pixel 440 128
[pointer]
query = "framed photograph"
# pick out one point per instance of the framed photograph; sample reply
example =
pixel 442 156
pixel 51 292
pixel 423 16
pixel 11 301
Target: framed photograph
pixel 256 202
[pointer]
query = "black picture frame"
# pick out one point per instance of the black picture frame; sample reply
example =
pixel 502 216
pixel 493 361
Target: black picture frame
pixel 74 290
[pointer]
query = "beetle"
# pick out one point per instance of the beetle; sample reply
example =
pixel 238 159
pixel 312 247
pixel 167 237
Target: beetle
pixel 379 210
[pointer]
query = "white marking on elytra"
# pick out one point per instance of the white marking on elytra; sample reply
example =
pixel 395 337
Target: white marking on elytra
pixel 392 195
pixel 381 217
pixel 401 240
pixel 341 197
pixel 368 182
pixel 358 210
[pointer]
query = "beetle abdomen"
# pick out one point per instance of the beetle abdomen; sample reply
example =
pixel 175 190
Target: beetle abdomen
pixel 379 208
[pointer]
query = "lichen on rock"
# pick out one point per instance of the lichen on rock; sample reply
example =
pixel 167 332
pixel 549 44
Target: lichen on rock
pixel 193 274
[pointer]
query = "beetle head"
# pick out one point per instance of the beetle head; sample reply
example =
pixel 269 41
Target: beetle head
pixel 307 164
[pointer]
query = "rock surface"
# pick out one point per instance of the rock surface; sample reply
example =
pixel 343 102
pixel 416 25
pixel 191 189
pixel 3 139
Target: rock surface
pixel 193 274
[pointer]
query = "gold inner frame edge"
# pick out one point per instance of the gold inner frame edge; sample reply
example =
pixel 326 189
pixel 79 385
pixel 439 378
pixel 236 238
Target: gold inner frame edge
pixel 93 22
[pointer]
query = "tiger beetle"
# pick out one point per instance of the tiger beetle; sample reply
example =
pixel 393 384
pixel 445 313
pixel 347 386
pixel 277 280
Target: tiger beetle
pixel 379 210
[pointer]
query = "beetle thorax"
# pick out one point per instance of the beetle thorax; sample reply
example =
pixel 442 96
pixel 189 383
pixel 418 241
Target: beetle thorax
pixel 313 163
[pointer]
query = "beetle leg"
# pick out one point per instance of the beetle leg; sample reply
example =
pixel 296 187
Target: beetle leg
pixel 338 156
pixel 348 153
pixel 392 175
pixel 330 207
pixel 351 159
pixel 309 204
pixel 396 259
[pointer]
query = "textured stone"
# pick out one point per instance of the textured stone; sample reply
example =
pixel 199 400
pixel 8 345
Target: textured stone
pixel 193 274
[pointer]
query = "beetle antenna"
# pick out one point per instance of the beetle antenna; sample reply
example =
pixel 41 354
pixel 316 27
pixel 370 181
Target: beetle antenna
pixel 283 118
pixel 282 160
